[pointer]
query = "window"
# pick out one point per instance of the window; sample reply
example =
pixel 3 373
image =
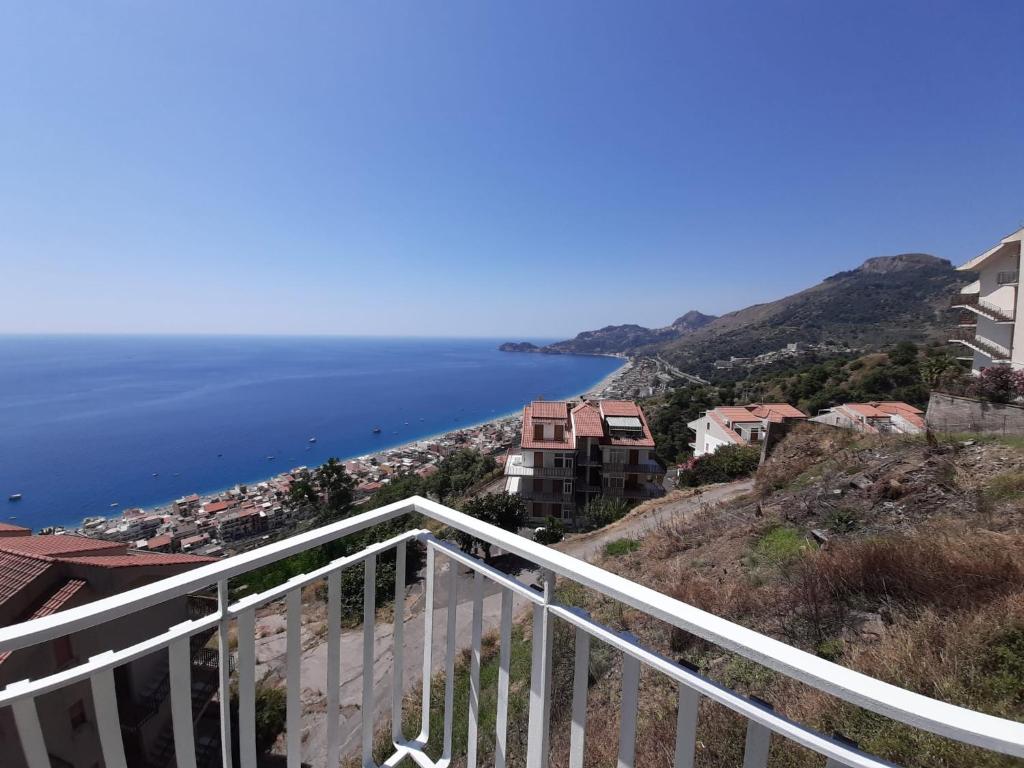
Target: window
pixel 564 460
pixel 559 432
pixel 616 457
pixel 566 487
pixel 615 482
pixel 566 511
pixel 62 652
pixel 538 431
pixel 76 715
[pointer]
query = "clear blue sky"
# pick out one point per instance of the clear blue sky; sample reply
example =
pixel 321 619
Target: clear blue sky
pixel 509 169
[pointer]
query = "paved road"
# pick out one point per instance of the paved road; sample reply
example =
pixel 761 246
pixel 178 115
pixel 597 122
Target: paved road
pixel 270 644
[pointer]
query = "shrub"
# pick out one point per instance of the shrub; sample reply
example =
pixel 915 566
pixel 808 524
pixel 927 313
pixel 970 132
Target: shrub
pixel 727 463
pixel 604 511
pixel 552 532
pixel 999 384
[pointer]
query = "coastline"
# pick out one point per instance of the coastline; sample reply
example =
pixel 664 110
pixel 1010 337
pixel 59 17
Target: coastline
pixel 382 455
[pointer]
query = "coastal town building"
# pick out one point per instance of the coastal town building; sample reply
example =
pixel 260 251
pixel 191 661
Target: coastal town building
pixel 571 453
pixel 41 575
pixel 991 307
pixel 738 425
pixel 874 418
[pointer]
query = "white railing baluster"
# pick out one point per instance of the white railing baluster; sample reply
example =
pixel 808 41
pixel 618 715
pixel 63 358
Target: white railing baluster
pixel 224 672
pixel 369 612
pixel 428 645
pixel 474 669
pixel 246 625
pixel 504 662
pixel 333 668
pixel 397 651
pixel 540 679
pixel 759 741
pixel 686 727
pixel 180 670
pixel 293 717
pixel 580 686
pixel 104 701
pixel 627 715
pixel 449 660
pixel 30 734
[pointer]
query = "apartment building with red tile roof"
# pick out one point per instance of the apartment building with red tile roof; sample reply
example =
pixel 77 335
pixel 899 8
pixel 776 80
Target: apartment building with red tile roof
pixel 40 575
pixel 571 453
pixel 876 417
pixel 738 424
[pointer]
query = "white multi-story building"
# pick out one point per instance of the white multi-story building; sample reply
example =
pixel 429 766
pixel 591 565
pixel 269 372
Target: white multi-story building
pixel 738 425
pixel 990 318
pixel 570 454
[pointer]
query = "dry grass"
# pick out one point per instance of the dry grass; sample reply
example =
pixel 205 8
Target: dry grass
pixel 921 587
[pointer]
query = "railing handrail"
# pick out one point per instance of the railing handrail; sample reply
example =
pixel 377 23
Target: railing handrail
pixel 899 704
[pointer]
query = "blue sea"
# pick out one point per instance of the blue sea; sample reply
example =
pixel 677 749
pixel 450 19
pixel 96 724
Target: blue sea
pixel 87 421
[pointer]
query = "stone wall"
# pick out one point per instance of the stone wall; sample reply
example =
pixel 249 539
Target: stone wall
pixel 949 413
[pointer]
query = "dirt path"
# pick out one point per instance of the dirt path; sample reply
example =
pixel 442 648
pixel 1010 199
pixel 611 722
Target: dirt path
pixel 271 639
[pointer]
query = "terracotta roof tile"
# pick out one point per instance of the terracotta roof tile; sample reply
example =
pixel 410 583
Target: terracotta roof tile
pixel 567 443
pixel 18 571
pixel 59 598
pixel 57 545
pixel 586 421
pixel 137 559
pixel 619 408
pixel 549 409
pixel 11 528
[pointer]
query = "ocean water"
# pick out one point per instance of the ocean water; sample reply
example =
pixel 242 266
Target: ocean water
pixel 89 421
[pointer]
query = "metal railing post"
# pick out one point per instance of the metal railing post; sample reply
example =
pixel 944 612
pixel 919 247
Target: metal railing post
pixel 224 670
pixel 540 678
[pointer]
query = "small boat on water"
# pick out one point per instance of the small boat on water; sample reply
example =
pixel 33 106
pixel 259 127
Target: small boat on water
pixel 312 439
pixel 376 430
pixel 270 458
pixel 114 504
pixel 14 497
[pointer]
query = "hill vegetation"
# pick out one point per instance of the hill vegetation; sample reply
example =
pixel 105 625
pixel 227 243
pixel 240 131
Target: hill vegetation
pixel 903 372
pixel 885 300
pixel 901 558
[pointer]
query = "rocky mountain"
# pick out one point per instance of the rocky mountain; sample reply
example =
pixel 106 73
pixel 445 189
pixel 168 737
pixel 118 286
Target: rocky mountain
pixel 616 338
pixel 885 299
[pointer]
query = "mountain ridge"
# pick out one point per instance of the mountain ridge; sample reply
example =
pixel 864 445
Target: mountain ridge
pixel 883 300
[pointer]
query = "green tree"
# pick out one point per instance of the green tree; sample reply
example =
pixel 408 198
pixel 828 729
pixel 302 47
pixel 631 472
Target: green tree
pixel 903 353
pixel 727 463
pixel 501 509
pixel 459 472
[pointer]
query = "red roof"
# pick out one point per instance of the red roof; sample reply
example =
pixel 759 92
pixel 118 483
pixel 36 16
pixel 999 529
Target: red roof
pixel 10 529
pixel 137 560
pixel 59 598
pixel 57 545
pixel 567 442
pixel 586 420
pixel 18 571
pixel 619 408
pixel 158 541
pixel 549 409
pixel 218 506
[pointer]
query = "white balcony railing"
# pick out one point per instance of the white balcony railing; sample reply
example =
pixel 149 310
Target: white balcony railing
pixel 763 723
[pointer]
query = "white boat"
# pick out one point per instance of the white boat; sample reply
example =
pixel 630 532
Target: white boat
pixel 312 439
pixel 14 497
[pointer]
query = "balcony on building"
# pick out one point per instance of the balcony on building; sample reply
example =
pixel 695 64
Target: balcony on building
pixel 387 738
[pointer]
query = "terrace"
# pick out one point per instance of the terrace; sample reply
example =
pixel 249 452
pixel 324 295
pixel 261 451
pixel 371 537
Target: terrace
pixel 763 723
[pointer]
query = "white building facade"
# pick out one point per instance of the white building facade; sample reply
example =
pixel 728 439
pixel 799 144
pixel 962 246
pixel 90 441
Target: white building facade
pixel 990 319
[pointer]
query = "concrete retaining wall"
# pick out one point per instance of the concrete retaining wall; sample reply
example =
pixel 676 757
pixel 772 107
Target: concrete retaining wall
pixel 949 413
